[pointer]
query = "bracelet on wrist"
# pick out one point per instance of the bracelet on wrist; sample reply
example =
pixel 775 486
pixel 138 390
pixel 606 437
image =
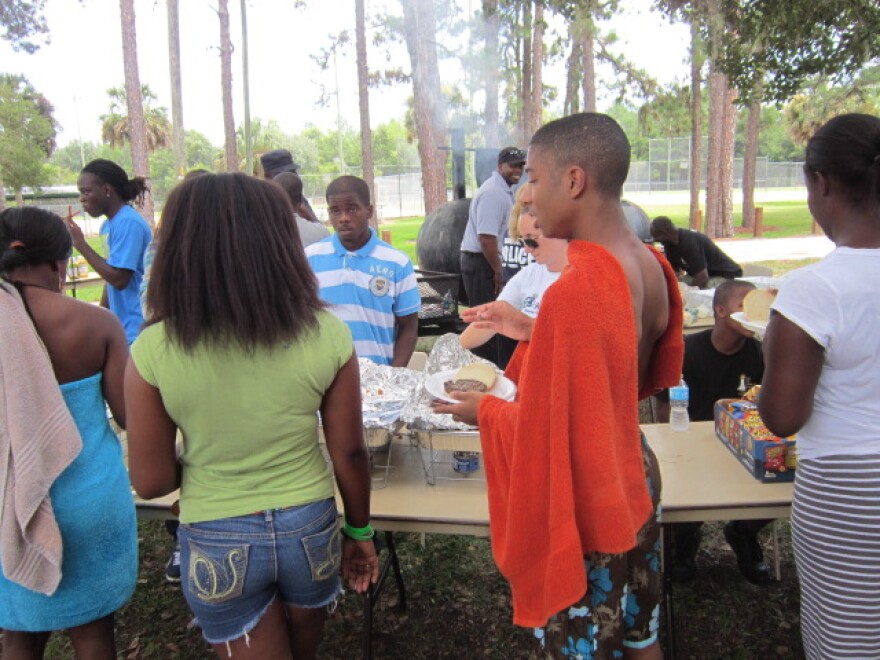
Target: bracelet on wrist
pixel 359 533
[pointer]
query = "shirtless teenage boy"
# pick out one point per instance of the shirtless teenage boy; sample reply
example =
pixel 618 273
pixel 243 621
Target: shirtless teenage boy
pixel 573 488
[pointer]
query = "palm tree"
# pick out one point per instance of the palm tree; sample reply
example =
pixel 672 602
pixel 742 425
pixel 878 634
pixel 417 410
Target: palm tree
pixel 115 126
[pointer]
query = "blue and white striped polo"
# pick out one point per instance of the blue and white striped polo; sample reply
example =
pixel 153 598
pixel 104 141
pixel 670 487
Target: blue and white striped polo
pixel 367 289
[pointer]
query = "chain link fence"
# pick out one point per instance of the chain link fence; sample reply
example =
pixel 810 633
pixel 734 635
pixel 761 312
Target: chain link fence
pixel 394 196
pixel 668 168
pixel 399 194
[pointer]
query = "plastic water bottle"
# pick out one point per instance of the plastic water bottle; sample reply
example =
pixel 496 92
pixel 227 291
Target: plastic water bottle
pixel 678 407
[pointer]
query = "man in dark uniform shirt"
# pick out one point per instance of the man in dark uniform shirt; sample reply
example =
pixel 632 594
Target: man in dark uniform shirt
pixel 695 254
pixel 716 362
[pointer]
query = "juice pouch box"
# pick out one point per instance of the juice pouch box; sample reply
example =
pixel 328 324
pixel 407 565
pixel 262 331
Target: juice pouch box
pixel 768 458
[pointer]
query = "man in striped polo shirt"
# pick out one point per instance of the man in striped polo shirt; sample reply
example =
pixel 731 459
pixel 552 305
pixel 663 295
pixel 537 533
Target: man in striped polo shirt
pixel 368 284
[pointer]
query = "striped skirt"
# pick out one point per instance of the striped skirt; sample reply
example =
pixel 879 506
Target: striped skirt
pixel 836 532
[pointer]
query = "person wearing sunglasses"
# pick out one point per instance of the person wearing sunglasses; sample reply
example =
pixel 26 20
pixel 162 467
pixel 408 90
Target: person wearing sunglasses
pixel 525 289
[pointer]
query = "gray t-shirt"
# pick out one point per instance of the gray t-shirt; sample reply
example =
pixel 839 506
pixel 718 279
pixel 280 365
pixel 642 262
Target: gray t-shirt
pixel 489 213
pixel 310 232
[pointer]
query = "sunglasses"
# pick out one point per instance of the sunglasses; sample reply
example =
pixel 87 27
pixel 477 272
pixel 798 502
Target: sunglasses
pixel 529 243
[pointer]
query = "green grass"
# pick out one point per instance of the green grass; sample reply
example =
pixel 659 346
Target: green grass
pixel 781 219
pixel 404 232
pixel 93 293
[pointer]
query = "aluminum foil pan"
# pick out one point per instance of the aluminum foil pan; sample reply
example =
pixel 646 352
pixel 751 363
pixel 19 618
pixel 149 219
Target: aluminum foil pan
pixel 446 354
pixel 385 392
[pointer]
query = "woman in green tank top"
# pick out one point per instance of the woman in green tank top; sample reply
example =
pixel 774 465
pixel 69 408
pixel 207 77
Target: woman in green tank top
pixel 240 356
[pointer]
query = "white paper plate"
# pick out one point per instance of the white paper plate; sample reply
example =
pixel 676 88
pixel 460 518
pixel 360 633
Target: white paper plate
pixel 758 327
pixel 504 388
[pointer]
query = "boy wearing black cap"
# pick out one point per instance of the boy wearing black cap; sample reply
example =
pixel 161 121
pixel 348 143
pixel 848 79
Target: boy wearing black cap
pixel 484 234
pixel 277 161
pixel 280 160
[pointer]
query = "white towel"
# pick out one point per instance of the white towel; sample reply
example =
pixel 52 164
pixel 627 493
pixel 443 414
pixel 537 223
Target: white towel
pixel 38 440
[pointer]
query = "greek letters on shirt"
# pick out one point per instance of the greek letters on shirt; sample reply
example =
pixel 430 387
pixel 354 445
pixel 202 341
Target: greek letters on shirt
pixel 380 283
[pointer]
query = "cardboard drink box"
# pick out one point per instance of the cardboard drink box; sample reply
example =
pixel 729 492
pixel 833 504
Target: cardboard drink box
pixel 768 458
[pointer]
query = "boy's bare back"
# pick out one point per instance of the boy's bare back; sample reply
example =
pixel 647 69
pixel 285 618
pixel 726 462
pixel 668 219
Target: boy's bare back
pixel 649 295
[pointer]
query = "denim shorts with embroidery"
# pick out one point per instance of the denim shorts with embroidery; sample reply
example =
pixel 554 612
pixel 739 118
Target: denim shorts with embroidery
pixel 232 568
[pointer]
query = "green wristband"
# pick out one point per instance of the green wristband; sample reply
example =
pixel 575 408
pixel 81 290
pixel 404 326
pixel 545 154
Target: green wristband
pixel 359 533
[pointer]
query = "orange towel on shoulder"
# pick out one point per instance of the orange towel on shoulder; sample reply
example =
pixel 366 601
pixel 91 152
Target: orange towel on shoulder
pixel 564 461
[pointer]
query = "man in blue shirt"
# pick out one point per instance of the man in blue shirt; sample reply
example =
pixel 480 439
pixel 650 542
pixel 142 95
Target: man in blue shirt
pixel 105 189
pixel 368 284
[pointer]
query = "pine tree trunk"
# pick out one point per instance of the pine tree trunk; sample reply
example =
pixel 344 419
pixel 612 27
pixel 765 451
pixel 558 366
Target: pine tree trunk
pixel 696 121
pixel 525 93
pixel 2 196
pixel 137 127
pixel 717 95
pixel 717 108
pixel 420 31
pixel 573 76
pixel 588 55
pixel 728 141
pixel 178 143
pixel 750 162
pixel 492 28
pixel 19 197
pixel 230 150
pixel 364 105
pixel 536 117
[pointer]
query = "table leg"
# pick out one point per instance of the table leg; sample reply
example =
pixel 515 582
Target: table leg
pixel 774 529
pixel 369 599
pixel 667 590
pixel 373 593
pixel 395 564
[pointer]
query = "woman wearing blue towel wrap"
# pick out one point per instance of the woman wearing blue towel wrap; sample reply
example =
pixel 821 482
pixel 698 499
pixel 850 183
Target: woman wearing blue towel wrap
pixel 90 499
pixel 240 355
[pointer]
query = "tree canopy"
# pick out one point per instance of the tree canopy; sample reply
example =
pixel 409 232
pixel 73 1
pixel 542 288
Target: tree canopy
pixel 786 43
pixel 817 102
pixel 27 133
pixel 24 24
